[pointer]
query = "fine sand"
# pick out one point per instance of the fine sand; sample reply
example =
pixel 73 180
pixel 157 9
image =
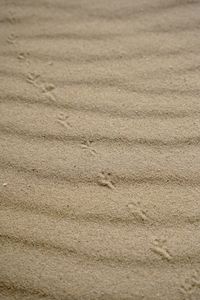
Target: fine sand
pixel 100 149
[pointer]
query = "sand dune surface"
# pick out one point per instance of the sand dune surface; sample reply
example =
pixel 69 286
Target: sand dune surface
pixel 99 150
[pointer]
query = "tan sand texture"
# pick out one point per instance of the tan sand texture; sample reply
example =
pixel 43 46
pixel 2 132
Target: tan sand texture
pixel 99 150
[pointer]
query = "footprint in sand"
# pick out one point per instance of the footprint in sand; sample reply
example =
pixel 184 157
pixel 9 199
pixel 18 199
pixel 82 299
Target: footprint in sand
pixel 159 247
pixel 190 289
pixel 137 211
pixel 105 179
pixel 11 18
pixel 87 145
pixel 23 56
pixel 63 119
pixel 12 39
pixel 33 78
pixel 48 87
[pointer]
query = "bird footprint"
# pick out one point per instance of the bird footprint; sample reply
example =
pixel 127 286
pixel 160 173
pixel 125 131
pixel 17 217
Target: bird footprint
pixel 159 247
pixel 87 145
pixel 105 179
pixel 63 119
pixel 190 289
pixel 136 209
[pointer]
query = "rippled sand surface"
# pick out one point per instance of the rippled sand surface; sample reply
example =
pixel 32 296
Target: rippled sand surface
pixel 99 150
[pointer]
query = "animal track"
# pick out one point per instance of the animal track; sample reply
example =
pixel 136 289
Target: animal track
pixel 23 56
pixel 87 145
pixel 196 279
pixel 136 209
pixel 106 180
pixel 159 247
pixel 48 87
pixel 11 18
pixel 51 97
pixel 190 289
pixel 12 39
pixel 32 78
pixel 63 120
pixel 43 87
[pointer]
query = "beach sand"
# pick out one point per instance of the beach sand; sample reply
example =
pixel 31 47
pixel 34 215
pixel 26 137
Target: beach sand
pixel 99 150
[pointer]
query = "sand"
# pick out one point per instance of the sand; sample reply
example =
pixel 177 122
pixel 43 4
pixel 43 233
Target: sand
pixel 99 149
